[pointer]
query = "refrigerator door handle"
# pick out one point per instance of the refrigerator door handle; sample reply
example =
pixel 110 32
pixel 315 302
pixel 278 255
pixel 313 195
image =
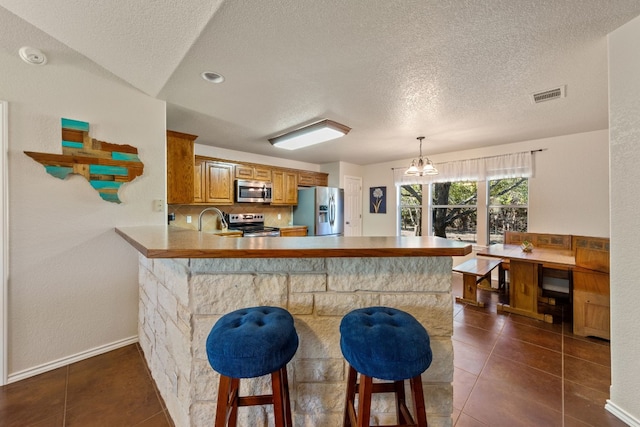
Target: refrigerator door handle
pixel 332 210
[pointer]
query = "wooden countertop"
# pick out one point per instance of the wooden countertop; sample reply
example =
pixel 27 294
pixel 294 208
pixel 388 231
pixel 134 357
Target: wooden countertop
pixel 558 258
pixel 173 242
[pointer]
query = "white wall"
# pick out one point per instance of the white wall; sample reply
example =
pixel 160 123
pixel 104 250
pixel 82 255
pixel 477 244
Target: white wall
pixel 569 193
pixel 338 170
pixel 73 281
pixel 624 119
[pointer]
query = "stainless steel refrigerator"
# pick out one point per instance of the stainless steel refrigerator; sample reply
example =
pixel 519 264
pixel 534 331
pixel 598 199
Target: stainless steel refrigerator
pixel 321 209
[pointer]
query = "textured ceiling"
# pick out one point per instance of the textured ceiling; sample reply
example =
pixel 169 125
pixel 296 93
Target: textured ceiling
pixel 458 72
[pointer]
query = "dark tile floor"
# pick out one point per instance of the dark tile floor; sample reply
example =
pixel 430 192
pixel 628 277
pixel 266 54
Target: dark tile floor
pixel 509 371
pixel 111 390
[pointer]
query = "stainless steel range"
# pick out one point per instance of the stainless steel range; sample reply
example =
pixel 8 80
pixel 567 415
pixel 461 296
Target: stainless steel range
pixel 251 225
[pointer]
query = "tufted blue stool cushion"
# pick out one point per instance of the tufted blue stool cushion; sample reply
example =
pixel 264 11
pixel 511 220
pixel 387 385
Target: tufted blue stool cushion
pixel 385 343
pixel 252 342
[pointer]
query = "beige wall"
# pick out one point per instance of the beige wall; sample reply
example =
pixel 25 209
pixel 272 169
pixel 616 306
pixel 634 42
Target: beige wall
pixel 72 282
pixel 624 119
pixel 569 193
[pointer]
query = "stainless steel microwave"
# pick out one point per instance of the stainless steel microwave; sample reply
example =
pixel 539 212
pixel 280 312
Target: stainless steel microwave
pixel 253 191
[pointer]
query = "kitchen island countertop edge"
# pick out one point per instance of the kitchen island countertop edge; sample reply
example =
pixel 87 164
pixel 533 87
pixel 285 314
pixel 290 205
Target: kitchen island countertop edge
pixel 173 242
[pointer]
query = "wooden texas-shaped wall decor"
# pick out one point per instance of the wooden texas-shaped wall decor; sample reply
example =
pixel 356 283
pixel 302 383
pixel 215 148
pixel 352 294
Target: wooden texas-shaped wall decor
pixel 106 166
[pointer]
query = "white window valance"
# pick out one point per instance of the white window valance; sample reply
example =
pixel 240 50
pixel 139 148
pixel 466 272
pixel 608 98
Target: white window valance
pixel 515 165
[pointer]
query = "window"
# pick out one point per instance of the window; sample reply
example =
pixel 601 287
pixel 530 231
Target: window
pixel 507 207
pixel 472 200
pixel 410 210
pixel 454 210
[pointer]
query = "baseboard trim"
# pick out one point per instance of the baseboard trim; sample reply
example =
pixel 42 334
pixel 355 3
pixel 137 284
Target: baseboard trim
pixel 50 366
pixel 621 414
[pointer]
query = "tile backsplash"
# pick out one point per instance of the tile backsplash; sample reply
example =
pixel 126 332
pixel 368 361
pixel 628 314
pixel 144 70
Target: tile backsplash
pixel 211 222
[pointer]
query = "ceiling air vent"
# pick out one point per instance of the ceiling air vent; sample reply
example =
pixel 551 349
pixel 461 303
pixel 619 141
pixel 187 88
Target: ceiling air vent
pixel 549 94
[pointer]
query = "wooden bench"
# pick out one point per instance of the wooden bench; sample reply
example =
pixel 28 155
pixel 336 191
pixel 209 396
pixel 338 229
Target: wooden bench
pixel 473 272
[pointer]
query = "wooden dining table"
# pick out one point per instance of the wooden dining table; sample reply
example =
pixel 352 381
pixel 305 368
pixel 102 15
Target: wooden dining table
pixel 525 274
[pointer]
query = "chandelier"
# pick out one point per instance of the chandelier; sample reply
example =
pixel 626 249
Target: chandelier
pixel 422 165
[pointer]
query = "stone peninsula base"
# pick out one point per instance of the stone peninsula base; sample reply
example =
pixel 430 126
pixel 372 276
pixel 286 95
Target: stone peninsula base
pixel 181 299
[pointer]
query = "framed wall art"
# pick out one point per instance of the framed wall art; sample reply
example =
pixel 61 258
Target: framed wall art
pixel 378 200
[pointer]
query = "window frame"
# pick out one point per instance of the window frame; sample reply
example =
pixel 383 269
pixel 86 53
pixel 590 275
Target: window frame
pixel 512 206
pixel 482 208
pixel 457 206
pixel 401 206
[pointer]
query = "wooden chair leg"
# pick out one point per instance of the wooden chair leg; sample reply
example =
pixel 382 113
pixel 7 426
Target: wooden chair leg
pixel 365 388
pixel 364 400
pixel 418 401
pixel 277 396
pixel 350 398
pixel 286 398
pixel 227 409
pixel 398 387
pixel 229 400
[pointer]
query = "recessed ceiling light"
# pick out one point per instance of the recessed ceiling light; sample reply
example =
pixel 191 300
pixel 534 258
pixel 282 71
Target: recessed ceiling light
pixel 32 56
pixel 212 77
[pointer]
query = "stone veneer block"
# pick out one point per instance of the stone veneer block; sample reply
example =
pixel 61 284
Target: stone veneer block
pixel 181 299
pixel 300 304
pixel 253 265
pixel 408 274
pixel 307 283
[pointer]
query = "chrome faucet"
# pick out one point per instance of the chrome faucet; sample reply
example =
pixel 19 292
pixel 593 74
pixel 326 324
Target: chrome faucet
pixel 219 212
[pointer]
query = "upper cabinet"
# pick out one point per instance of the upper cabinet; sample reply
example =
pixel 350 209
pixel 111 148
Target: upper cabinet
pixel 313 179
pixel 284 187
pixel 214 182
pixel 195 179
pixel 255 172
pixel 180 167
pixel 198 181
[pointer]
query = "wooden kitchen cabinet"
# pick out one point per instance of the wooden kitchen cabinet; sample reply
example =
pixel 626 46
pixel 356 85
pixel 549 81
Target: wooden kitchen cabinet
pixel 313 179
pixel 198 181
pixel 254 172
pixel 180 167
pixel 284 187
pixel 213 182
pixel 293 231
pixel 591 311
pixel 591 295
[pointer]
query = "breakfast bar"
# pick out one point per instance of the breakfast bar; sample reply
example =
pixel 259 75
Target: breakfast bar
pixel 189 279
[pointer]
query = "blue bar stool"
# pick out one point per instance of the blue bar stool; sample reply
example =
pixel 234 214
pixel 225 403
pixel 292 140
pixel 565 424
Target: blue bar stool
pixel 387 344
pixel 249 343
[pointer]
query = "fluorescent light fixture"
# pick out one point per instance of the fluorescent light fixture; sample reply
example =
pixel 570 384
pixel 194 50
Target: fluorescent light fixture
pixel 315 133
